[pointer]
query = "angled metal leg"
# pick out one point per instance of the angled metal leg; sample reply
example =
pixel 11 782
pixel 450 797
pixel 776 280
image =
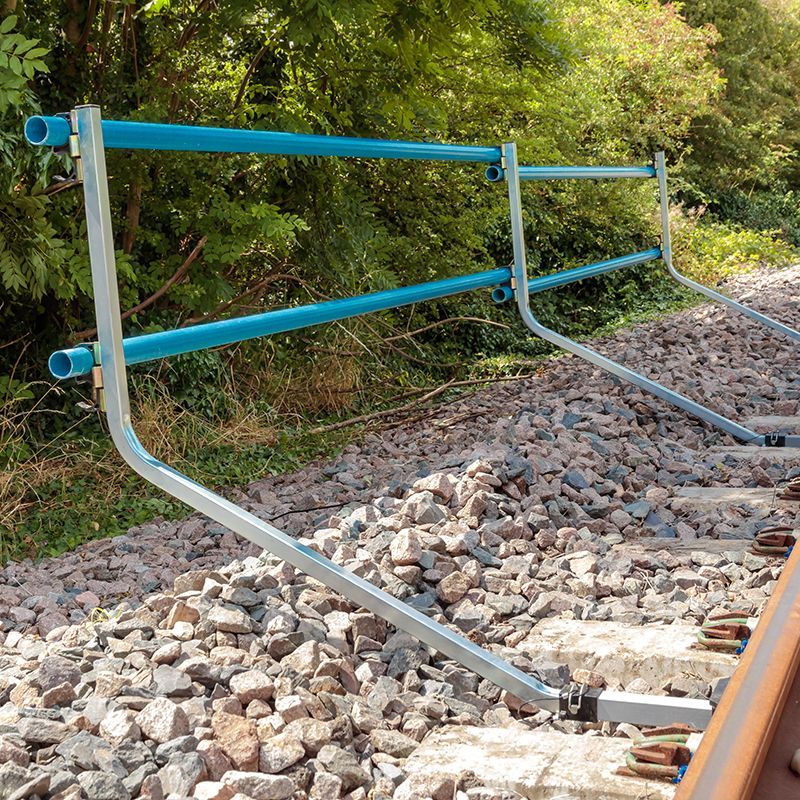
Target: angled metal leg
pixel 593 357
pixel 615 706
pixel 666 251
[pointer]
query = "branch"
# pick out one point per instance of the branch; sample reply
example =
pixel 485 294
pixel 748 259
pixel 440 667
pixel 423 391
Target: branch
pixel 414 404
pixel 378 414
pixel 255 288
pixel 177 276
pixel 132 212
pixel 249 74
pixel 88 22
pixel 409 334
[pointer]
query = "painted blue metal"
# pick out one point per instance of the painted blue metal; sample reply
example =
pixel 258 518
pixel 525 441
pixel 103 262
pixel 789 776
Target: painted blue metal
pixel 495 173
pixel 560 173
pixel 71 362
pixel 502 294
pixel 152 136
pixel 545 282
pixel 150 346
pixel 47 131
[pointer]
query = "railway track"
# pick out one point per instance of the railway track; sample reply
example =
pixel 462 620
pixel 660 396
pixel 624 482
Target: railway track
pixel 755 731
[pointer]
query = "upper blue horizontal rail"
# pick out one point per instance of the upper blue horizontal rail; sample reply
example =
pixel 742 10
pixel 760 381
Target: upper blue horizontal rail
pixel 77 361
pixel 559 173
pixel 55 132
pixel 545 282
pixel 497 173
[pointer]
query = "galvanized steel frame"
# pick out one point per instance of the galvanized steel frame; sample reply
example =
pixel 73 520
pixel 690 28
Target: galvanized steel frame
pixel 614 706
pixel 513 173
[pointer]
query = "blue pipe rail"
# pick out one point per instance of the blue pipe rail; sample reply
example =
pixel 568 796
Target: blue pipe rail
pixel 55 132
pixel 148 347
pixel 74 361
pixel 545 282
pixel 495 173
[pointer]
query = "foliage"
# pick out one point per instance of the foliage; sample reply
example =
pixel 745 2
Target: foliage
pixel 713 251
pixel 751 136
pixel 201 236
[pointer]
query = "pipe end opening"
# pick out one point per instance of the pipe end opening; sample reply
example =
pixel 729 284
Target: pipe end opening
pixel 52 131
pixel 501 294
pixel 65 364
pixel 494 173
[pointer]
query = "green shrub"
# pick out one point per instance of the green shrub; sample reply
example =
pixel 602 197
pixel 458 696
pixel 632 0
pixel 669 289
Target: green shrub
pixel 710 251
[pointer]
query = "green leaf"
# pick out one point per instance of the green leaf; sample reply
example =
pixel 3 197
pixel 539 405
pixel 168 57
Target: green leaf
pixel 8 23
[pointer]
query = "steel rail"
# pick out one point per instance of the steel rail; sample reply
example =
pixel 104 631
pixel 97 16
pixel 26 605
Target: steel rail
pixel 755 729
pixel 614 706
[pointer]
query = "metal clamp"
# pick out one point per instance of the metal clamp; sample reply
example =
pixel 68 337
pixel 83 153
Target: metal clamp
pixel 578 702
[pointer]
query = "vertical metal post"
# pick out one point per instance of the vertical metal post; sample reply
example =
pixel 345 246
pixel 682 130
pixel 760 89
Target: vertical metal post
pixel 517 225
pixel 666 239
pixel 666 249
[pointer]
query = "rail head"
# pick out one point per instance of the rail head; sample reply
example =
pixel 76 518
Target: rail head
pixel 729 760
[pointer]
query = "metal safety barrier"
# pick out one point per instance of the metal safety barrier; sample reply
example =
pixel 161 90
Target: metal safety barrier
pixel 85 136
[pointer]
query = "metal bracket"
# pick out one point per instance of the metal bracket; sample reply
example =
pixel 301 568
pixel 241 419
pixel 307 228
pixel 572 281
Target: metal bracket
pixel 98 393
pixel 578 702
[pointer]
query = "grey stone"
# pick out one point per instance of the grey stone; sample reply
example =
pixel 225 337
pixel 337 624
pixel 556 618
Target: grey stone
pixel 393 742
pixel 102 786
pixel 43 731
pixel 259 787
pixel 171 682
pixel 55 670
pixel 344 765
pixel 180 774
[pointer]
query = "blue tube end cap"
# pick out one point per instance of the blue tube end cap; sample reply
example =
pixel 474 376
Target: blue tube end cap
pixel 47 131
pixel 70 363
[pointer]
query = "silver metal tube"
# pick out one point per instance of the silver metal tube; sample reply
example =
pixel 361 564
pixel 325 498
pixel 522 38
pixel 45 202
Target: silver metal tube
pixel 520 275
pixel 666 247
pixel 615 706
pixel 109 326
pixel 610 705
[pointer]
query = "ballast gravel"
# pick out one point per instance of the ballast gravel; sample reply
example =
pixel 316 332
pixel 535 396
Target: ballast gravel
pixel 218 672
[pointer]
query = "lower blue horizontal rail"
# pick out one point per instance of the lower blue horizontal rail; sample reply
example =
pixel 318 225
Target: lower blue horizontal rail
pixel 545 282
pixel 76 361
